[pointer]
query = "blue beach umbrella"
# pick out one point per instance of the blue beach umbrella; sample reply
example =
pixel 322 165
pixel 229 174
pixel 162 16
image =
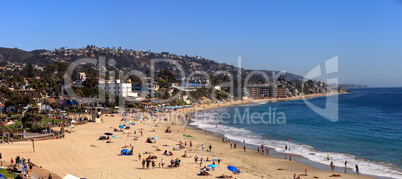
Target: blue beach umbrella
pixel 115 136
pixel 121 126
pixel 155 138
pixel 232 168
pixel 212 166
pixel 132 123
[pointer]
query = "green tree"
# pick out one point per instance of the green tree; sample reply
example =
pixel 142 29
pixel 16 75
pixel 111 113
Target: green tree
pixel 55 105
pixel 30 120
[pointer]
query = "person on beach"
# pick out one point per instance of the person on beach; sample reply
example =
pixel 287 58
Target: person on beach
pixel 230 145
pixel 346 163
pixel 290 158
pixel 202 146
pixel 328 157
pixel 163 163
pixel 195 158
pixel 357 169
pixel 210 148
pixel 143 163
pixel 201 161
pixel 262 149
pixel 147 162
pixel 139 156
pixel 191 143
pixel 244 148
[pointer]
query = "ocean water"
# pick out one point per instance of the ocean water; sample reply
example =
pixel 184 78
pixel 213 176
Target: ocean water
pixel 368 132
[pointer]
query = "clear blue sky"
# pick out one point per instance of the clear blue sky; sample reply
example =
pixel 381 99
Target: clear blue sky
pixel 290 35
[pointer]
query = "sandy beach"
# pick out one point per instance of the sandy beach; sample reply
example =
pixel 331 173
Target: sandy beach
pixel 82 155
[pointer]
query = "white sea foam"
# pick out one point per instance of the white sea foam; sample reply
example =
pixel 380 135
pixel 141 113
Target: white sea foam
pixel 240 134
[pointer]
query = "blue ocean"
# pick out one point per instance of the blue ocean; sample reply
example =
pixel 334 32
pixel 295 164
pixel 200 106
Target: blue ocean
pixel 368 131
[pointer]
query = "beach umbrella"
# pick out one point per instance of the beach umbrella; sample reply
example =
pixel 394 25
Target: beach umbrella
pixel 214 159
pixel 232 168
pixel 107 133
pixel 69 176
pixel 132 123
pixel 121 126
pixel 115 136
pixel 212 166
pixel 155 138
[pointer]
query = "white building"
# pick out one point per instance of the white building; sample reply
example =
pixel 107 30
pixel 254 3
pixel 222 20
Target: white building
pixel 116 87
pixel 80 78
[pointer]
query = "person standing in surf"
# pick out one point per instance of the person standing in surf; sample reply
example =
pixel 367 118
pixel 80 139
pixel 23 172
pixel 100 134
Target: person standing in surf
pixel 357 169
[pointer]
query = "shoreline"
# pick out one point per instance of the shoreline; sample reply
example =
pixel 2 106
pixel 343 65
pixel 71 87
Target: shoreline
pixel 82 155
pixel 280 155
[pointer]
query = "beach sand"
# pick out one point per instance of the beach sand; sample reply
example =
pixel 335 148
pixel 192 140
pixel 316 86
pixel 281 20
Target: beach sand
pixel 74 154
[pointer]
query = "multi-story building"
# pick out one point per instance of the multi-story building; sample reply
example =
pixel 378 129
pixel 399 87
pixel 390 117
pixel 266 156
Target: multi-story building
pixel 116 87
pixel 259 92
pixel 281 92
pixel 81 76
pixel 79 79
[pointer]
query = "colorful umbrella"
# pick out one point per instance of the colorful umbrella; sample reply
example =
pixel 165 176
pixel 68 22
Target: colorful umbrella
pixel 232 168
pixel 212 166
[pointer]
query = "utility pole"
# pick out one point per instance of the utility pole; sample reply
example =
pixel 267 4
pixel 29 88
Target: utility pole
pixel 33 145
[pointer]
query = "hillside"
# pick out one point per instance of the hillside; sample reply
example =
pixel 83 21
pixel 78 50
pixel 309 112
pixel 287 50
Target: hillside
pixel 127 60
pixel 21 56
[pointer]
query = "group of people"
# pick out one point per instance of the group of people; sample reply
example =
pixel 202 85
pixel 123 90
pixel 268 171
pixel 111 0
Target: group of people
pixel 233 145
pixel 264 150
pixel 26 166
